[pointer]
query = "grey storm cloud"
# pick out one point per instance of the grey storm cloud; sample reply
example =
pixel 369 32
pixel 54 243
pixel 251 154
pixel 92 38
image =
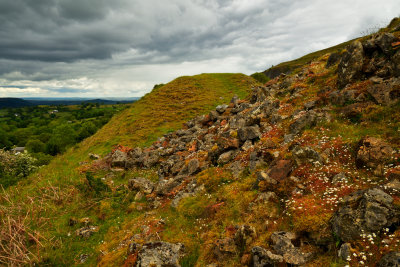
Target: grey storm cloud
pixel 99 42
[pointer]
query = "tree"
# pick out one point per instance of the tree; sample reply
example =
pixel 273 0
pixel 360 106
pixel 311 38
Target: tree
pixel 35 146
pixel 87 129
pixel 4 140
pixel 63 136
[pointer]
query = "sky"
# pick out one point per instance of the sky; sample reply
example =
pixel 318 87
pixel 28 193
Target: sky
pixel 122 48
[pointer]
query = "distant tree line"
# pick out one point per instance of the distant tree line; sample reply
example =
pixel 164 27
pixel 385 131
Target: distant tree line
pixel 46 131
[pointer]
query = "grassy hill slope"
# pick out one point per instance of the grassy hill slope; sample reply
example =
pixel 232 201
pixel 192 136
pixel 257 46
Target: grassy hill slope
pixel 43 204
pixel 289 66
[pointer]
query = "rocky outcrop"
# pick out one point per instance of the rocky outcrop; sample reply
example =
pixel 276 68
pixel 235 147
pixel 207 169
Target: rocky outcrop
pixel 350 65
pixel 285 251
pixel 119 159
pixel 249 133
pixel 374 57
pixel 385 92
pixel 365 211
pixel 263 258
pixel 306 155
pixel 141 184
pixel 280 169
pixel 373 153
pixel 160 254
pixel 332 60
pixel 306 120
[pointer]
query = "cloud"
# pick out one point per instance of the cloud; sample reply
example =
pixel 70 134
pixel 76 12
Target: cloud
pixel 124 47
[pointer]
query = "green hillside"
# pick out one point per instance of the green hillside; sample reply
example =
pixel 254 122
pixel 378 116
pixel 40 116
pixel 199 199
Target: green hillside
pixel 51 196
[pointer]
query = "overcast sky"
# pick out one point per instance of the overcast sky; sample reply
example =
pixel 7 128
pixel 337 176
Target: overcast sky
pixel 121 48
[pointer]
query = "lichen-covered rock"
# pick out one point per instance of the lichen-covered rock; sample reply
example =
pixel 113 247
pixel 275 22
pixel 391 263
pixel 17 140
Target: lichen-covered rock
pixel 221 108
pixel 280 169
pixel 249 133
pixel 264 258
pixel 306 154
pixel 282 244
pixel 150 159
pixel 141 184
pixel 350 65
pixel 193 166
pixel 365 211
pixel 385 92
pixel 119 159
pixel 308 119
pixel 384 42
pixel 373 153
pixel 225 247
pixel 332 59
pixel 86 231
pixel 226 157
pixel 392 259
pixel 160 254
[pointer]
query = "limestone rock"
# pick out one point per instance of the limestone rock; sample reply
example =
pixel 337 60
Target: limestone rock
pixel 249 133
pixel 221 108
pixel 386 92
pixel 193 166
pixel 141 184
pixel 226 157
pixel 119 159
pixel 308 119
pixel 306 154
pixel 350 65
pixel 160 254
pixel 365 211
pixel 332 59
pixel 264 258
pixel 372 153
pixel 280 169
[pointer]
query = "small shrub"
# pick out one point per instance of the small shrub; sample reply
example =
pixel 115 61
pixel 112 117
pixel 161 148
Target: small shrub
pixel 15 167
pixel 260 76
pixel 94 185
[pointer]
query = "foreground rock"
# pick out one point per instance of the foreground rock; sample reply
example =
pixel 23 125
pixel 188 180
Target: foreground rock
pixel 350 65
pixel 160 254
pixel 285 251
pixel 363 212
pixel 373 153
pixel 392 259
pixel 141 184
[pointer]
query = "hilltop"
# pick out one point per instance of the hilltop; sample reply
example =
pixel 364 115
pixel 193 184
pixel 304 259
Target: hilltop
pixel 220 170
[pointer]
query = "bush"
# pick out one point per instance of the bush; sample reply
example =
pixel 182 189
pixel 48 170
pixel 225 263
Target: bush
pixel 260 76
pixel 94 185
pixel 35 146
pixel 15 167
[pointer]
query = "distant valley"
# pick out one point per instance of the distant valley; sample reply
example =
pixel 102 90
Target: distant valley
pixel 10 102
